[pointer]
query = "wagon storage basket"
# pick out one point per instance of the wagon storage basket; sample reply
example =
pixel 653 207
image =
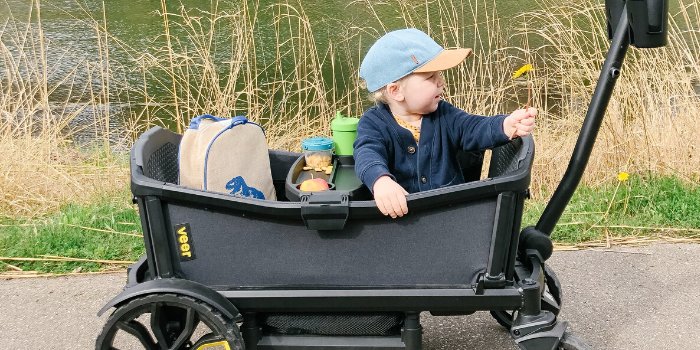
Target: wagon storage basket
pixel 333 323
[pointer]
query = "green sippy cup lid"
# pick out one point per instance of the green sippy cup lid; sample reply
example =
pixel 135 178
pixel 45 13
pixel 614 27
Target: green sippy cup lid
pixel 343 124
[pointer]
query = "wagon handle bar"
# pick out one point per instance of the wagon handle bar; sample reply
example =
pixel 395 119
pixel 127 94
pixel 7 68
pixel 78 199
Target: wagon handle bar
pixel 589 129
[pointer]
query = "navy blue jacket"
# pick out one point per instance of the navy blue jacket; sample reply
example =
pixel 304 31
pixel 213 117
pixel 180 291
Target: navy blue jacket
pixel 383 147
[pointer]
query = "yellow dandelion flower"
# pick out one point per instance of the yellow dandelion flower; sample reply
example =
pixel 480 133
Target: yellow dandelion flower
pixel 623 176
pixel 524 69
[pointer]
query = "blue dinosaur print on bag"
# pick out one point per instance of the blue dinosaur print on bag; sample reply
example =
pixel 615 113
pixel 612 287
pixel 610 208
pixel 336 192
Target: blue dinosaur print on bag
pixel 238 187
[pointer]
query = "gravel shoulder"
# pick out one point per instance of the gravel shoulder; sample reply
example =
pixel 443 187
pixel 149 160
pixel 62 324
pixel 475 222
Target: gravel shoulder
pixel 623 298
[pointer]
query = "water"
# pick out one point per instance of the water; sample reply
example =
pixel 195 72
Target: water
pixel 138 25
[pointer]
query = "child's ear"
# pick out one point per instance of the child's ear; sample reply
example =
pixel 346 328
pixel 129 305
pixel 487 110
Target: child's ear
pixel 394 92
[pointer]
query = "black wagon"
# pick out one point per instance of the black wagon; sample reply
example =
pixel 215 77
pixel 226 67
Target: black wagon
pixel 326 270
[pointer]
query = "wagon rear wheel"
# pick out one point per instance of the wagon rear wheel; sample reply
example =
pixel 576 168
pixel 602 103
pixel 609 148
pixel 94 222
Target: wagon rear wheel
pixel 168 322
pixel 551 299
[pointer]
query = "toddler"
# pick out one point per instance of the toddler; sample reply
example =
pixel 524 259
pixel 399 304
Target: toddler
pixel 408 142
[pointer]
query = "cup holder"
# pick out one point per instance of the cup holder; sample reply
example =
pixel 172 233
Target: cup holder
pixel 342 178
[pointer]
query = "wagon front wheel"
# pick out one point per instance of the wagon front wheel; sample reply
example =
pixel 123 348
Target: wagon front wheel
pixel 168 322
pixel 552 299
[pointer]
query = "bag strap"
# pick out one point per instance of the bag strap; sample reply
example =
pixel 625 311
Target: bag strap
pixel 238 120
pixel 194 123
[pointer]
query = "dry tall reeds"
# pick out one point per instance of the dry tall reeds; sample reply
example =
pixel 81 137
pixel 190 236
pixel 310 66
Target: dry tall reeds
pixel 39 170
pixel 213 61
pixel 650 124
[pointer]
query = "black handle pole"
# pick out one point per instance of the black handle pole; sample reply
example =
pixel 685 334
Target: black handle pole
pixel 589 129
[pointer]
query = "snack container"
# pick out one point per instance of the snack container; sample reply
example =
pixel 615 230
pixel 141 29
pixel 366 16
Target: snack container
pixel 318 151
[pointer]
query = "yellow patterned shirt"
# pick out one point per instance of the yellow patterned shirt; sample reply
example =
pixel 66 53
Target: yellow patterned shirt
pixel 415 130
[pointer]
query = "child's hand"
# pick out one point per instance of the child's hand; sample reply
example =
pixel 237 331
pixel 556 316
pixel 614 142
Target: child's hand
pixel 390 197
pixel 520 122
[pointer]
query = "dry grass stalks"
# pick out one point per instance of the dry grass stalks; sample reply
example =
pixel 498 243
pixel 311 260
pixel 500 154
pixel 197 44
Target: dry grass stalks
pixel 296 92
pixel 627 241
pixel 650 121
pixel 8 275
pixel 61 258
pixel 37 175
pixel 649 125
pixel 294 88
pixel 290 100
pixel 105 231
pixel 39 168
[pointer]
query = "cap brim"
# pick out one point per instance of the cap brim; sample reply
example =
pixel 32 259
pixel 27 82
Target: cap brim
pixel 445 60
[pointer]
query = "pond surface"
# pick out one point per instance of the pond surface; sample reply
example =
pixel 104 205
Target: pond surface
pixel 137 24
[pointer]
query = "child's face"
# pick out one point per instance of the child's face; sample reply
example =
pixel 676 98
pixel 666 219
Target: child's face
pixel 422 91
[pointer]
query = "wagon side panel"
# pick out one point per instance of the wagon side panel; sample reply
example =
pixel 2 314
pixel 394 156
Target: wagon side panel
pixel 234 250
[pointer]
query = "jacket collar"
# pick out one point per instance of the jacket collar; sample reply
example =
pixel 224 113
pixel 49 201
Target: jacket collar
pixel 402 134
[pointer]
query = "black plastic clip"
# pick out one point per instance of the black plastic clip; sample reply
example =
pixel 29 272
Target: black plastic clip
pixel 484 280
pixel 495 282
pixel 327 210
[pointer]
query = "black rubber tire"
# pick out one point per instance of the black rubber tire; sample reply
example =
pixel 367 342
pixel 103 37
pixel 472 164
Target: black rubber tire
pixel 553 285
pixel 571 342
pixel 505 318
pixel 170 311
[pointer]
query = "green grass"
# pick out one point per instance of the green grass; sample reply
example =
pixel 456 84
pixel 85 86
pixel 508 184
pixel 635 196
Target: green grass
pixel 54 235
pixel 642 201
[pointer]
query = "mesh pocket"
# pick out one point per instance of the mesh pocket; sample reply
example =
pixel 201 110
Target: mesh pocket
pixel 334 324
pixel 505 158
pixel 162 164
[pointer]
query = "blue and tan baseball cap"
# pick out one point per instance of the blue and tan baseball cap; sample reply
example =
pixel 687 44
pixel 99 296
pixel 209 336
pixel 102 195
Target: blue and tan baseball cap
pixel 402 52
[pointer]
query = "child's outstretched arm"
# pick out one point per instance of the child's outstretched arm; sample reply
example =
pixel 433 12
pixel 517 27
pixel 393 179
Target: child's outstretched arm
pixel 520 123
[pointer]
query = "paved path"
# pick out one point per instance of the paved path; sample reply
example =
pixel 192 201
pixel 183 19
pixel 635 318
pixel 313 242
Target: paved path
pixel 629 298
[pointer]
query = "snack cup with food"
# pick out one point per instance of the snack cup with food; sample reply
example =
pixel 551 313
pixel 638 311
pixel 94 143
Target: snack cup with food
pixel 318 151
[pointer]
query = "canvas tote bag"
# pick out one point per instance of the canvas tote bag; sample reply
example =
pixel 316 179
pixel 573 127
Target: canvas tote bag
pixel 226 155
